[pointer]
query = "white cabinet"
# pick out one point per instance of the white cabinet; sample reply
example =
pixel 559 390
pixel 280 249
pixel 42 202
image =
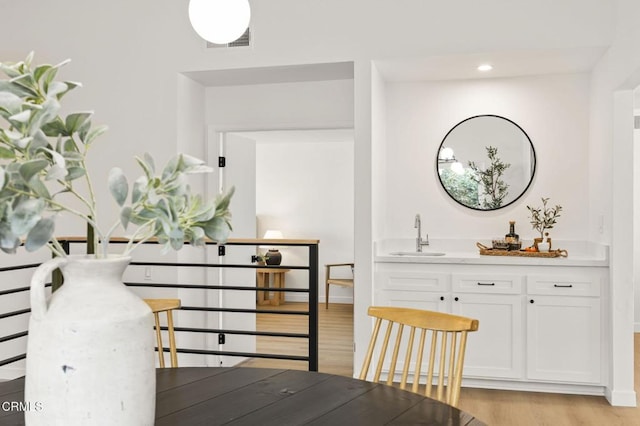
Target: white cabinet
pixel 414 288
pixel 540 326
pixel 564 328
pixel 492 283
pixel 415 299
pixel 495 350
pixel 412 277
pixel 495 300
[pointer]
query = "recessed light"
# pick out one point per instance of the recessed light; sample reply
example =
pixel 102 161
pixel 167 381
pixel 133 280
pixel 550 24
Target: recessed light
pixel 485 67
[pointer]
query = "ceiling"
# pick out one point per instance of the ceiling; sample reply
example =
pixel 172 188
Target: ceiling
pixel 432 68
pixel 505 64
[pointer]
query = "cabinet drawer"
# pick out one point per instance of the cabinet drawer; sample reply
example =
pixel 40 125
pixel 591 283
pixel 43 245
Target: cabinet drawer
pixel 564 285
pixel 413 280
pixel 487 283
pixel 430 301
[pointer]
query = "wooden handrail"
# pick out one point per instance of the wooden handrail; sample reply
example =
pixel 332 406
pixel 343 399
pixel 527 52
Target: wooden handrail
pixel 260 241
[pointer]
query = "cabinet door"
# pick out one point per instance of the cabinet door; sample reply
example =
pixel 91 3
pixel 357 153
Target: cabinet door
pixel 431 301
pixel 496 349
pixel 563 338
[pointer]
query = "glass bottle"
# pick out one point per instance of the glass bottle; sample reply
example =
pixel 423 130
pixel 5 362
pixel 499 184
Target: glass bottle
pixel 512 238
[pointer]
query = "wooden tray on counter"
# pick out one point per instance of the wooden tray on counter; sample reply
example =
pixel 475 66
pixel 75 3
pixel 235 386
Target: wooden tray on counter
pixel 487 251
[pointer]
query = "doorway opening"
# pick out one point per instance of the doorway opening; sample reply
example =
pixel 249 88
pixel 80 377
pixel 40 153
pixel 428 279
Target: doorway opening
pixel 304 189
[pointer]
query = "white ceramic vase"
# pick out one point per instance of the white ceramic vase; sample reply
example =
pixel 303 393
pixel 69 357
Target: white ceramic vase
pixel 90 350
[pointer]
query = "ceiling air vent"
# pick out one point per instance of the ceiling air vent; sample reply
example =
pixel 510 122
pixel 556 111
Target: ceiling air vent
pixel 244 40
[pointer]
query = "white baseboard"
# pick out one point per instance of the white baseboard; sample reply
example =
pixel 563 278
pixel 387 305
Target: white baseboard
pixel 621 398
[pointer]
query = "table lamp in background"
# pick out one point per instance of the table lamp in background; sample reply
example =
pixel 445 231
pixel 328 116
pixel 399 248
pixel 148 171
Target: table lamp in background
pixel 274 257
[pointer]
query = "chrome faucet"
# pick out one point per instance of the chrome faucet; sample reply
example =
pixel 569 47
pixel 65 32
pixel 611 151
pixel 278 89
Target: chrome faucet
pixel 419 241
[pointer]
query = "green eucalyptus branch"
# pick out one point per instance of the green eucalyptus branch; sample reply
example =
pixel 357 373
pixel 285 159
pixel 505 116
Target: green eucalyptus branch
pixel 147 233
pixel 59 207
pixel 178 216
pixel 42 154
pixel 69 188
pixel 92 204
pixel 56 248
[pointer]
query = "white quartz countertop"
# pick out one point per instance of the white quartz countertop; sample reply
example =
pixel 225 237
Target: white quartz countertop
pixel 580 253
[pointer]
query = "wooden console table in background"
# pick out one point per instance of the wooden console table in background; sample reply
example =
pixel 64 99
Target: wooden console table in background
pixel 263 276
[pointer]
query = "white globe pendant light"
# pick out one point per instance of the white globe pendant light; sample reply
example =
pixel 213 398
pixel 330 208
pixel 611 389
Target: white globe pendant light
pixel 219 21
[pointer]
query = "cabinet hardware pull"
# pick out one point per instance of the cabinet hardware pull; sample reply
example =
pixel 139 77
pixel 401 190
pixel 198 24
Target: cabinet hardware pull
pixel 456 299
pixel 531 301
pixel 441 297
pixel 563 285
pixel 486 283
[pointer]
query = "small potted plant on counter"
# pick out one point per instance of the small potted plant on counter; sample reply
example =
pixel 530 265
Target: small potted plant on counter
pixel 543 218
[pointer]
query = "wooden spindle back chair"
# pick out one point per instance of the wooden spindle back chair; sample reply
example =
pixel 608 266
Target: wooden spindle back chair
pixel 165 305
pixel 329 280
pixel 444 336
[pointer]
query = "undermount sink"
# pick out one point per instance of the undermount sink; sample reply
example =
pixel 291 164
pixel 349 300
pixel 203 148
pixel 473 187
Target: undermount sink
pixel 416 253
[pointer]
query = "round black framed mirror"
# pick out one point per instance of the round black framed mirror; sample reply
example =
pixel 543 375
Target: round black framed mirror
pixel 486 162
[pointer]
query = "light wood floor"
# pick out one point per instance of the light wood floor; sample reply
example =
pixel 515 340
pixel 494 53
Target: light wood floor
pixel 335 340
pixel 496 408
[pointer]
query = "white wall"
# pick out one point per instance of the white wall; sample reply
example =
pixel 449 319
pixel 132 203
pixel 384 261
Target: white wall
pixel 305 190
pixel 553 110
pixel 636 222
pixel 636 209
pixel 371 161
pixel 611 183
pixel 378 152
pixel 128 55
pixel 314 104
pixel 190 99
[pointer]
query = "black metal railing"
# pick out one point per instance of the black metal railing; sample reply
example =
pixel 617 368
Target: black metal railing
pixel 14 313
pixel 311 290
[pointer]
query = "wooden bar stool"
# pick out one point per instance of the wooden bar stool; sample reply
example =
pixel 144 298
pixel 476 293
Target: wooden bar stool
pixel 165 305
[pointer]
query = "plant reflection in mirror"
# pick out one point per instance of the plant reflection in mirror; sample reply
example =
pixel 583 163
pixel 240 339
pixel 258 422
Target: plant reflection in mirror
pixel 43 158
pixel 494 188
pixel 462 187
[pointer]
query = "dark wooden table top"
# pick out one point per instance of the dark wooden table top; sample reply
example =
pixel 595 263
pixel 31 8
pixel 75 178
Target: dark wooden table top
pixel 260 396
